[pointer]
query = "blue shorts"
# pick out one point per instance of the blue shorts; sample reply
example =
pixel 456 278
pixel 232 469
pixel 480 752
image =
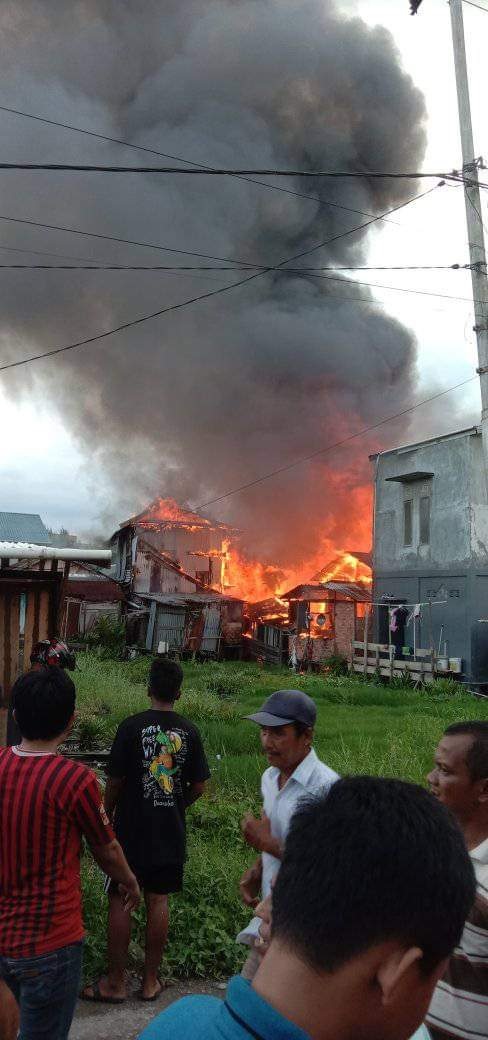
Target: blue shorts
pixel 46 989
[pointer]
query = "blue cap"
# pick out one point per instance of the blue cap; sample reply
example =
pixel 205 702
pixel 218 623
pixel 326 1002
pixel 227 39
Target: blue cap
pixel 284 707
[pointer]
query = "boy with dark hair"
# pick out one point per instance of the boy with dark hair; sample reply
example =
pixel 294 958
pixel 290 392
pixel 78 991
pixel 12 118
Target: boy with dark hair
pixel 459 780
pixel 157 769
pixel 374 887
pixel 47 804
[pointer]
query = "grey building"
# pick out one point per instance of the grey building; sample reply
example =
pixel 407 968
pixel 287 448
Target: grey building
pixel 431 538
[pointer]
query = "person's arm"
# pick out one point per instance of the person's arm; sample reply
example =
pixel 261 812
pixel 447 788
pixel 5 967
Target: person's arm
pixel 250 883
pixel 112 794
pixel 194 791
pixel 196 771
pixel 111 860
pixel 90 816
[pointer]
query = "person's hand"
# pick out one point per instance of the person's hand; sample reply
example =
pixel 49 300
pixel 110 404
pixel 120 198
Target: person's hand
pixel 250 885
pixel 264 911
pixel 257 833
pixel 131 894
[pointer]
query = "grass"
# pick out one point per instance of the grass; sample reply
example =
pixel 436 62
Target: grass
pixel 362 728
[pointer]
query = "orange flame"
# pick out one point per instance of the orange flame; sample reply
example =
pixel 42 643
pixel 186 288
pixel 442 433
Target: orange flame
pixel 252 579
pixel 167 511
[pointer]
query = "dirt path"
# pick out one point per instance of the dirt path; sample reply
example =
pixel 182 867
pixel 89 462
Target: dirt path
pixel 126 1021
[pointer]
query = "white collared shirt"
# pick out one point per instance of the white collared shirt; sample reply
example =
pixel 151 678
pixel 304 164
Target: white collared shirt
pixel 311 777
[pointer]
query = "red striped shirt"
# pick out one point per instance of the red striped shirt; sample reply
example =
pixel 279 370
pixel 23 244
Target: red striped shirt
pixel 47 803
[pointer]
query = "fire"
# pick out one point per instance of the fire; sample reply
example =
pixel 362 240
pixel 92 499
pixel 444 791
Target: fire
pixel 167 511
pixel 346 567
pixel 348 522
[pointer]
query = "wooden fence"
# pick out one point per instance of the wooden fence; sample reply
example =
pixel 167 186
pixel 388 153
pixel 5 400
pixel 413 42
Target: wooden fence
pixel 379 659
pixel 28 611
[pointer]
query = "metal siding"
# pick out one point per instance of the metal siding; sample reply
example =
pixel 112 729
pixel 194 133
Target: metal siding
pixel 170 628
pixel 211 631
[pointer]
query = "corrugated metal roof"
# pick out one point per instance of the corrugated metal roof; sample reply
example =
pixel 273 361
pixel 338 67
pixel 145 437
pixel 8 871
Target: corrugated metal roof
pixel 23 527
pixel 312 593
pixel 178 599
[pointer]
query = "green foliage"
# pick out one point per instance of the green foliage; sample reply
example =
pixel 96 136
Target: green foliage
pixel 107 634
pixel 362 727
pixel 337 665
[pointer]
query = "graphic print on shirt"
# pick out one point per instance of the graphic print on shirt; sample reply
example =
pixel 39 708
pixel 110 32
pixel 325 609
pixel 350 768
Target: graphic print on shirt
pixel 164 756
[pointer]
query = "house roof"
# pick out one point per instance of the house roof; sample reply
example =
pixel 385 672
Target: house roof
pixel 470 431
pixel 23 527
pixel 315 593
pixel 167 513
pixel 180 599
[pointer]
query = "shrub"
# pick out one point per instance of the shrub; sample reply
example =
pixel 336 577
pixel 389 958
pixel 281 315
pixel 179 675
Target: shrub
pixel 108 635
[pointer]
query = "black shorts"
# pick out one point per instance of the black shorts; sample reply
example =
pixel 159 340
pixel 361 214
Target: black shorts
pixel 161 881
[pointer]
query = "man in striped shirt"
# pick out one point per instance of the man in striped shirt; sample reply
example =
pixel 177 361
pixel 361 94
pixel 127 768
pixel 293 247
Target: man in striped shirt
pixel 47 805
pixel 460 780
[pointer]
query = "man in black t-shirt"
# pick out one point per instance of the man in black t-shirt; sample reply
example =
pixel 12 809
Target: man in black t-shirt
pixel 157 768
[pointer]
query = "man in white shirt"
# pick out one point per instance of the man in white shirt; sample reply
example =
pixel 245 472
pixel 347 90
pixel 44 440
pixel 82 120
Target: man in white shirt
pixel 459 780
pixel 286 719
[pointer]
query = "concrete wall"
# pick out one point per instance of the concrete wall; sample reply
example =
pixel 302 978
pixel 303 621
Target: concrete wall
pixel 454 565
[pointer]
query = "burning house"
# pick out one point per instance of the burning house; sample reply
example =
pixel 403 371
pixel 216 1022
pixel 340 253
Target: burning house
pixel 316 621
pixel 171 564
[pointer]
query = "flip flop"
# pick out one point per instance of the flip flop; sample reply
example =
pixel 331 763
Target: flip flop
pixel 98 997
pixel 155 996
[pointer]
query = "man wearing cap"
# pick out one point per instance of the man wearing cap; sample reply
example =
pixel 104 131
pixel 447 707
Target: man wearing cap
pixel 286 719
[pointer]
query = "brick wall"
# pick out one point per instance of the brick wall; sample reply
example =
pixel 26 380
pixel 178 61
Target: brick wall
pixel 344 628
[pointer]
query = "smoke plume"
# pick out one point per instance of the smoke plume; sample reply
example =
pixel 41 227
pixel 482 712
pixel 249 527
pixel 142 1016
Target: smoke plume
pixel 210 397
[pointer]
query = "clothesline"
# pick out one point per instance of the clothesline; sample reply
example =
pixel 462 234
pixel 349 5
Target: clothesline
pixel 395 606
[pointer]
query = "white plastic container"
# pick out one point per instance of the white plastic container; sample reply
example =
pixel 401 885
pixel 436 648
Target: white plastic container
pixel 455 665
pixel 442 664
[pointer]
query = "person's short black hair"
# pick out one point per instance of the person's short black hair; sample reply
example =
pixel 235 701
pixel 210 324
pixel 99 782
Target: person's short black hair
pixel 44 702
pixel 477 755
pixel 165 679
pixel 372 861
pixel 301 728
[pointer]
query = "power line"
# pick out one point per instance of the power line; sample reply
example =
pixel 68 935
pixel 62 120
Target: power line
pixel 45 252
pixel 179 158
pixel 203 256
pixel 125 325
pixel 301 271
pixel 214 172
pixel 331 447
pixel 214 292
pixel 87 266
pixel 472 4
pixel 123 241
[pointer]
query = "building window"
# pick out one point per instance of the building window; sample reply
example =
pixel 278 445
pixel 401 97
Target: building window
pixel 408 522
pixel 424 520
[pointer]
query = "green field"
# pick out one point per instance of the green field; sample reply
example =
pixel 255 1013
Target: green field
pixel 362 728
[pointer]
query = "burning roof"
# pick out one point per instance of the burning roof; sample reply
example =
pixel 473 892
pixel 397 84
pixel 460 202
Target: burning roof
pixel 165 512
pixel 317 593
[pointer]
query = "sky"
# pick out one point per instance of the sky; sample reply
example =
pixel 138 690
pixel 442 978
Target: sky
pixel 45 469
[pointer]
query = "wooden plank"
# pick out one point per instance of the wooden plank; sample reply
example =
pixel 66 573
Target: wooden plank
pixel 382 647
pixel 385 671
pixel 29 628
pixel 44 608
pixel 366 628
pixel 15 637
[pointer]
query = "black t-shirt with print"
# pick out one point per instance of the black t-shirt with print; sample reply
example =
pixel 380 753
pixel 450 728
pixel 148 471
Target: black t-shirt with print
pixel 159 754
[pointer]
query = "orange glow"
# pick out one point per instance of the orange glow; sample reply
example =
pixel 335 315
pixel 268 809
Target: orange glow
pixel 346 523
pixel 166 511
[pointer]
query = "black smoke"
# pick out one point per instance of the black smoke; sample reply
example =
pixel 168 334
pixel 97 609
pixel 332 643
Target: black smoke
pixel 207 398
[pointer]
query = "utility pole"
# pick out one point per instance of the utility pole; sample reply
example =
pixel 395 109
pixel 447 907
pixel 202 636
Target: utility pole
pixel 474 220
